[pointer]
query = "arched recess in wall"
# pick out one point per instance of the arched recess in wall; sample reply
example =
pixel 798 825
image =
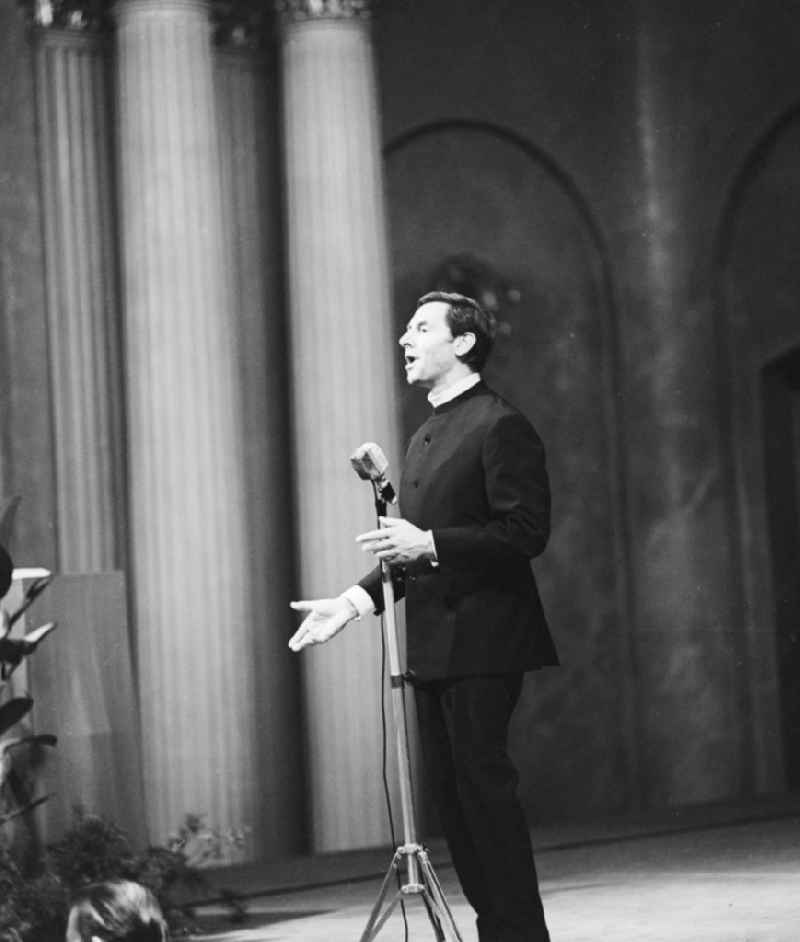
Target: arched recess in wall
pixel 757 300
pixel 485 203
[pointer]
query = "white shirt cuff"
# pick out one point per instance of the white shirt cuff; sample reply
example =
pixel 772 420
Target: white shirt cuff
pixel 359 599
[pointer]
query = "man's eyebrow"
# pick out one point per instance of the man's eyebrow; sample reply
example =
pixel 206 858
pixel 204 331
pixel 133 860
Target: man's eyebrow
pixel 412 323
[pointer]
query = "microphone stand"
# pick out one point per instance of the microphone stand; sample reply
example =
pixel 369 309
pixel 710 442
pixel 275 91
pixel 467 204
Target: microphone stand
pixel 420 877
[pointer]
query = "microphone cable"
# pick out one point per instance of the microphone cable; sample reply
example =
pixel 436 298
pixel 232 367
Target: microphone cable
pixel 385 775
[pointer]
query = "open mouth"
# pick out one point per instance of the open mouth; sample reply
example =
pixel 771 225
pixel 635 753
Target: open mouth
pixel 410 360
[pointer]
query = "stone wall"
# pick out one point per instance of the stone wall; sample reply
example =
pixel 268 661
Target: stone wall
pixel 592 155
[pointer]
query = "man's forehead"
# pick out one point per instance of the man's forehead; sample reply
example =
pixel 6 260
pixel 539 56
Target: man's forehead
pixel 432 312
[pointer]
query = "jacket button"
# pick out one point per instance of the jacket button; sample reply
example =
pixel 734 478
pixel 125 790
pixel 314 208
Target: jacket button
pixel 427 439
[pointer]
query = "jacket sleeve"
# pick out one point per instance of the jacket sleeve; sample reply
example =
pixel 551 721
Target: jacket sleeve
pixel 518 497
pixel 371 583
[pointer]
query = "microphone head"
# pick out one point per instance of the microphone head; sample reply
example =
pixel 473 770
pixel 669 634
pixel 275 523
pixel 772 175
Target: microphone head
pixel 369 462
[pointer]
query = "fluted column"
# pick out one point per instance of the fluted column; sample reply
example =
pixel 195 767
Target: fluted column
pixel 187 495
pixel 81 292
pixel 342 354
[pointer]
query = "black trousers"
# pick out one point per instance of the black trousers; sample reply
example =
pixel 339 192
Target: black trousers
pixel 463 724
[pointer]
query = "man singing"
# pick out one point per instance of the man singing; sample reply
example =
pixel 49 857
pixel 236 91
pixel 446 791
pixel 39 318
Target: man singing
pixel 475 501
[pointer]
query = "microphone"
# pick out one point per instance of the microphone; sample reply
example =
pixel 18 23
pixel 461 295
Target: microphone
pixel 370 464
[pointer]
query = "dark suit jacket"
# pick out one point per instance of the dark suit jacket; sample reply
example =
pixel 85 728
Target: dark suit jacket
pixel 475 475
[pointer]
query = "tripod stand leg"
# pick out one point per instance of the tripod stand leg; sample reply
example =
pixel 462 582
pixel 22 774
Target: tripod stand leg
pixel 434 919
pixel 374 925
pixel 433 890
pixel 373 916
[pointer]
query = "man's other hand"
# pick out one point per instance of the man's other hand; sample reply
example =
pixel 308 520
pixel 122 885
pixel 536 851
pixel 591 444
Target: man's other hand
pixel 398 541
pixel 325 618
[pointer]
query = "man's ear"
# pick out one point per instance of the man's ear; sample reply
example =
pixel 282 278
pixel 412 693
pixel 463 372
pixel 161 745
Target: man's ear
pixel 464 343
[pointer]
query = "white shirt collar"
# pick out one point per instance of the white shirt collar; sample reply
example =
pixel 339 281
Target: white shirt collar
pixel 460 386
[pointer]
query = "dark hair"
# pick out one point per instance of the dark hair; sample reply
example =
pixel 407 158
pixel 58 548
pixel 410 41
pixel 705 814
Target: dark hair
pixel 118 911
pixel 466 316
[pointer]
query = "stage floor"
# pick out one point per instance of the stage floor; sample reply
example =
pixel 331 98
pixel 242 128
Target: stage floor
pixel 700 881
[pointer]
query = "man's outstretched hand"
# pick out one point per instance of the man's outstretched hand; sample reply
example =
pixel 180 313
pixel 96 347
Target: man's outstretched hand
pixel 325 618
